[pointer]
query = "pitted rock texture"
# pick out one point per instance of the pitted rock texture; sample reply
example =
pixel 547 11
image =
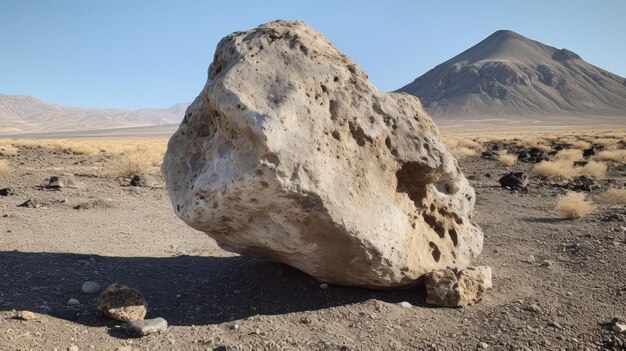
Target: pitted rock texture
pixel 450 289
pixel 290 154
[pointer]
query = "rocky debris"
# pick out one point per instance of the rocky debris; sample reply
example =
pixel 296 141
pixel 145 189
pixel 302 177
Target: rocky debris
pixel 618 326
pixel 73 348
pixel 122 303
pixel 57 182
pixel 145 327
pixel 580 183
pixel 533 155
pixel 6 192
pixel 145 180
pixel 91 204
pixel 30 203
pixel 590 152
pixel 25 315
pixel 514 181
pixel 73 302
pixel 90 287
pixel 290 154
pixel 450 289
pixel 490 155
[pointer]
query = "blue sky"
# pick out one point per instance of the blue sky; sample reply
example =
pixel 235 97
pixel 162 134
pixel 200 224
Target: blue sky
pixel 153 53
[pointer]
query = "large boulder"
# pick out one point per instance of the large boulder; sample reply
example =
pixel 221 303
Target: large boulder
pixel 290 154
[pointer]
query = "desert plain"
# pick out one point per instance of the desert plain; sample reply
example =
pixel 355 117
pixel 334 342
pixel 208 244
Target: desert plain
pixel 558 274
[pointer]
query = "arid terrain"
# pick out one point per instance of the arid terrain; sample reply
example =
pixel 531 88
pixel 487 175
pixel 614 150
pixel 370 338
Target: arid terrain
pixel 558 282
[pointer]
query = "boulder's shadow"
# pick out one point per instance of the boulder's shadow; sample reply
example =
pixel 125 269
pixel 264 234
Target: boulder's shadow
pixel 185 290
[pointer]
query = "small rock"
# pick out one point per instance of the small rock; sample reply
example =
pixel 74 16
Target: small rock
pixel 483 345
pixel 121 302
pixel 323 286
pixel 514 181
pixel 235 327
pixel 619 327
pixel 30 203
pixel 90 287
pixel 25 315
pixel 145 327
pixel 546 263
pixel 450 289
pixel 56 182
pixel 73 302
pixel 533 308
pixel 124 348
pixel 555 324
pixel 73 348
pixel 405 304
pixel 6 192
pixel 144 180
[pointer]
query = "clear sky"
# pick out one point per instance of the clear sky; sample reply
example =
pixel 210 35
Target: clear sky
pixel 153 53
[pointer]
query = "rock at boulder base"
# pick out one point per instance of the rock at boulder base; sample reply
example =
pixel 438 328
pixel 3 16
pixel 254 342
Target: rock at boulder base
pixel 449 289
pixel 290 154
pixel 144 180
pixel 145 327
pixel 6 192
pixel 122 303
pixel 56 182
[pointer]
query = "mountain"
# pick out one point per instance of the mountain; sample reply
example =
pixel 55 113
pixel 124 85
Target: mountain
pixel 510 75
pixel 26 114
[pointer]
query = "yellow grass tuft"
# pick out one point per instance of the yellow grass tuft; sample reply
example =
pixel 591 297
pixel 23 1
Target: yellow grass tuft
pixel 569 155
pixel 574 205
pixel 618 156
pixel 4 165
pixel 507 159
pixel 556 170
pixel 581 144
pixel 137 161
pixel 614 196
pixel 593 169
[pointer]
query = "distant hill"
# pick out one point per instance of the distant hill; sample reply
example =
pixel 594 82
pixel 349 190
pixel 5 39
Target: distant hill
pixel 26 114
pixel 510 75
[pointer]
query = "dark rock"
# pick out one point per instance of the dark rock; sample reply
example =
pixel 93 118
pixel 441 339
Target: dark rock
pixel 533 155
pixel 582 183
pixel 589 152
pixel 30 203
pixel 580 163
pixel 514 181
pixel 489 155
pixel 144 180
pixel 6 192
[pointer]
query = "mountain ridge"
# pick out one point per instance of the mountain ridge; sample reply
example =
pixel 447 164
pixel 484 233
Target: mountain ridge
pixel 28 114
pixel 507 74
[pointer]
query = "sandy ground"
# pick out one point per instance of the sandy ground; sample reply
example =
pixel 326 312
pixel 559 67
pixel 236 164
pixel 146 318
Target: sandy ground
pixel 214 300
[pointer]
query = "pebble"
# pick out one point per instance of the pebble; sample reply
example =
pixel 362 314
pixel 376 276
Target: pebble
pixel 323 286
pixel 25 315
pixel 235 327
pixel 533 308
pixel 546 263
pixel 73 302
pixel 531 259
pixel 405 304
pixel 483 345
pixel 619 327
pixel 145 327
pixel 73 348
pixel 90 287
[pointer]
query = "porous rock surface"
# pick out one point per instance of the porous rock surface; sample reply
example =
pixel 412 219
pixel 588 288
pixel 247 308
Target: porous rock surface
pixel 457 289
pixel 290 154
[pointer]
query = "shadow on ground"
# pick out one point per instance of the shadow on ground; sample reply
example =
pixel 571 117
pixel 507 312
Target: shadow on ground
pixel 185 290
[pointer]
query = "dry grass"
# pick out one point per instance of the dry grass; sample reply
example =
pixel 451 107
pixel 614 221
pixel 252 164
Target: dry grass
pixel 4 165
pixel 618 156
pixel 593 169
pixel 574 205
pixel 614 196
pixel 7 149
pixel 556 170
pixel 140 160
pixel 569 155
pixel 580 144
pixel 606 142
pixel 507 159
pixel 462 147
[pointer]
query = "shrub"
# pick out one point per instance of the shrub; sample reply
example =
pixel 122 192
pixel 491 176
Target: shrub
pixel 569 155
pixel 574 205
pixel 507 159
pixel 556 170
pixel 612 156
pixel 593 169
pixel 581 144
pixel 614 196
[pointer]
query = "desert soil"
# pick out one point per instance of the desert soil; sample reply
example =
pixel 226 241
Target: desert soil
pixel 562 298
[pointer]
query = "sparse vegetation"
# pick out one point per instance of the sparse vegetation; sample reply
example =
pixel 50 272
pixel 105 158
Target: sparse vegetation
pixel 556 170
pixel 574 205
pixel 614 196
pixel 618 156
pixel 580 144
pixel 507 159
pixel 569 155
pixel 593 169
